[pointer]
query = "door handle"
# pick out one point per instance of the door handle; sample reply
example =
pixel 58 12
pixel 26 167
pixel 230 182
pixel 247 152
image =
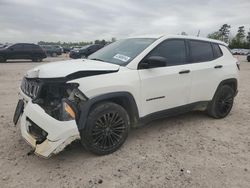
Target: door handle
pixel 218 66
pixel 184 72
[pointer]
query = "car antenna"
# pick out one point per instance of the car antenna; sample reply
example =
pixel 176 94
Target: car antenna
pixel 198 34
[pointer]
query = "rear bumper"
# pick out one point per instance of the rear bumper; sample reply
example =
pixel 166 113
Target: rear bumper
pixel 59 133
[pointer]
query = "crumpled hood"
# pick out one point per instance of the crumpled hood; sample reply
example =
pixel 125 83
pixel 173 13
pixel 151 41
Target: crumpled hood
pixel 64 68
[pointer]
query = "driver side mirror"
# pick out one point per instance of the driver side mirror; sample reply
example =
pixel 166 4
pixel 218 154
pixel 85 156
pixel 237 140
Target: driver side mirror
pixel 153 62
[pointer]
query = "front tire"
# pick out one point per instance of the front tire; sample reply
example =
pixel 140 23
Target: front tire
pixel 222 102
pixel 2 59
pixel 106 129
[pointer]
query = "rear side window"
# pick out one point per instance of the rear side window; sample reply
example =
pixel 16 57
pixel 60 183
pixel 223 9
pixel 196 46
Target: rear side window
pixel 217 51
pixel 28 47
pixel 200 51
pixel 173 50
pixel 37 48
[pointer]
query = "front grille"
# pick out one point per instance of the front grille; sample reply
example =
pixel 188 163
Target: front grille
pixel 31 87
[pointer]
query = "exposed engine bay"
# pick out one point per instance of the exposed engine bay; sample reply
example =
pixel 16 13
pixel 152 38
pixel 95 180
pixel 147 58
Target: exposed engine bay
pixel 59 99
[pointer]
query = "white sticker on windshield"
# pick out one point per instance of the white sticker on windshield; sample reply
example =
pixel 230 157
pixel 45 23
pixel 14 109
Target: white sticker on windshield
pixel 121 57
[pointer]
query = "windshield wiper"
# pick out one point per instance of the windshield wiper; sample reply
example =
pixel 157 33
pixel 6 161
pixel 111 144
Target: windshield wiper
pixel 96 59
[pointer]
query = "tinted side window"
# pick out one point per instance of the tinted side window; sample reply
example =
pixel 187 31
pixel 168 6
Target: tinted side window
pixel 27 47
pixel 173 50
pixel 217 51
pixel 17 46
pixel 99 46
pixel 200 51
pixel 36 48
pixel 96 47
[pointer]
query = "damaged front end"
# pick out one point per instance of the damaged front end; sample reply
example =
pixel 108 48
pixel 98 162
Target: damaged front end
pixel 50 112
pixel 59 99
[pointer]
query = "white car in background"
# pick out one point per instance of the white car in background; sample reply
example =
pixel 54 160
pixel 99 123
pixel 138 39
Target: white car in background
pixel 125 84
pixel 240 51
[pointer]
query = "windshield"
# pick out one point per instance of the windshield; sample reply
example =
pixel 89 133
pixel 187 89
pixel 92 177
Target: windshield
pixel 123 51
pixel 5 45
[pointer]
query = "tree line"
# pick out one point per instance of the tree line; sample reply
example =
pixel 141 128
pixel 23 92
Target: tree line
pixel 240 40
pixel 71 44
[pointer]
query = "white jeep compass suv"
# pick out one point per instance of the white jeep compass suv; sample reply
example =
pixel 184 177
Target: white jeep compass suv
pixel 125 84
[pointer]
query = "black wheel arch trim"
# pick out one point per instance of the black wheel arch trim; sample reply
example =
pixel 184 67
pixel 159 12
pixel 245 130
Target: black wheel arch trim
pixel 231 82
pixel 130 106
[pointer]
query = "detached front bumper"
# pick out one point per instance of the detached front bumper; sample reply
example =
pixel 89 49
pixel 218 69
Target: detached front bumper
pixel 59 133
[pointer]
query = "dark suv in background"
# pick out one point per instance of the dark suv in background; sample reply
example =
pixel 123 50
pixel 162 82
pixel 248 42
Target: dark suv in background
pixel 85 51
pixel 22 51
pixel 52 50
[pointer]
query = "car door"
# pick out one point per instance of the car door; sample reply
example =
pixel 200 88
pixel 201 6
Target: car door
pixel 166 87
pixel 28 51
pixel 205 69
pixel 15 51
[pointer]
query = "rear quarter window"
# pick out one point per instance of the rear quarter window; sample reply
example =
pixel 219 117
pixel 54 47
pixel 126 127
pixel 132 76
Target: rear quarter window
pixel 201 51
pixel 32 47
pixel 217 51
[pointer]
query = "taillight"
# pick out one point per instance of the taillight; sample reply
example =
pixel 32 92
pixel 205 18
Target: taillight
pixel 238 65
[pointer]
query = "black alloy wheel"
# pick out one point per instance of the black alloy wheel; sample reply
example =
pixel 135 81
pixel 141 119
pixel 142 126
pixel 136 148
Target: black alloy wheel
pixel 222 102
pixel 225 103
pixel 106 129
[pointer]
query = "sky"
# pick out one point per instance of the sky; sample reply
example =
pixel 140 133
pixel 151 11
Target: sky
pixel 87 20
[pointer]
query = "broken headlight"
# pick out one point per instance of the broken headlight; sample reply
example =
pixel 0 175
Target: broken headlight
pixel 61 100
pixel 70 106
pixel 68 110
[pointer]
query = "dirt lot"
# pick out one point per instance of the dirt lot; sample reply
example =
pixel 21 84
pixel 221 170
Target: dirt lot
pixel 191 150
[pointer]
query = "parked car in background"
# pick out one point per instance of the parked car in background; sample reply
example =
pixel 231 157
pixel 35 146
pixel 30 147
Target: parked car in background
pixel 85 51
pixel 239 51
pixel 22 51
pixel 66 49
pixel 234 51
pixel 248 57
pixel 51 50
pixel 60 49
pixel 75 48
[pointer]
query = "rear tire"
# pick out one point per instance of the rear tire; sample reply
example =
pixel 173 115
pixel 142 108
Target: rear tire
pixel 222 102
pixel 106 129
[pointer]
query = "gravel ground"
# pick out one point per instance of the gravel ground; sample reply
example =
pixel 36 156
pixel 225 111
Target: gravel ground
pixel 191 150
